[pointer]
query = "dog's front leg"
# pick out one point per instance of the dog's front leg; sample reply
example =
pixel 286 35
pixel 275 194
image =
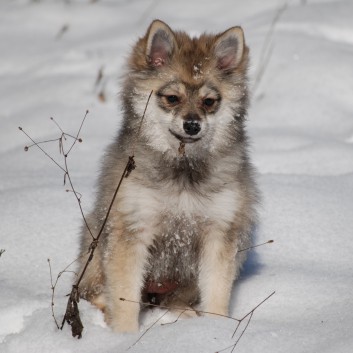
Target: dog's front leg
pixel 216 273
pixel 124 280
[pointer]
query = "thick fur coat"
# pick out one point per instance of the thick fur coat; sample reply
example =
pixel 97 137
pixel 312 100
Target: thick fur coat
pixel 180 218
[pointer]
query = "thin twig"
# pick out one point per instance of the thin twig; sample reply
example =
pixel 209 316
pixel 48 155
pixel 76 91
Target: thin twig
pixel 58 126
pixel 176 320
pixel 52 294
pixel 78 132
pixel 255 246
pixel 41 143
pixel 37 145
pixel 96 239
pixel 53 285
pixel 177 308
pixel 78 198
pixel 75 192
pixel 140 126
pixel 160 318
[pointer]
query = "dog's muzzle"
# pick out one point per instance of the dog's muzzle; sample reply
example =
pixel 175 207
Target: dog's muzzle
pixel 185 139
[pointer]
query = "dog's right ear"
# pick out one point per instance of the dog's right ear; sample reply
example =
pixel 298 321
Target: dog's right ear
pixel 160 43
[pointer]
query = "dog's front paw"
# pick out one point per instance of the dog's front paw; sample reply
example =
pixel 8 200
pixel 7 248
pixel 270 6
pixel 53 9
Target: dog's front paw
pixel 122 323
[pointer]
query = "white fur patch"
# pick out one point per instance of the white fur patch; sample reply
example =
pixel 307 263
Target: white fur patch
pixel 145 210
pixel 155 125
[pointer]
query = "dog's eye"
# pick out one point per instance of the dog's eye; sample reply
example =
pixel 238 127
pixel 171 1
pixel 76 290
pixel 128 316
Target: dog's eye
pixel 209 102
pixel 172 99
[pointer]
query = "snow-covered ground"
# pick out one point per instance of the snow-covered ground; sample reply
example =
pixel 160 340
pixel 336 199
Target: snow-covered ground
pixel 301 125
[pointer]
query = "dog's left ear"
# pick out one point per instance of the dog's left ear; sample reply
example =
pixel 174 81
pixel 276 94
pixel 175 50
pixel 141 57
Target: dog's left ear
pixel 160 43
pixel 229 48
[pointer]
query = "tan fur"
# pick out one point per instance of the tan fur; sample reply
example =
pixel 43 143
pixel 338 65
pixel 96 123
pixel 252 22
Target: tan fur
pixel 180 218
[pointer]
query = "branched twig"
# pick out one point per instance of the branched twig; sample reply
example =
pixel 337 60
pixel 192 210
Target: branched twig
pixel 64 168
pixel 183 309
pixel 250 315
pixel 242 333
pixel 53 285
pixel 2 251
pixel 78 133
pixel 37 144
pixel 72 313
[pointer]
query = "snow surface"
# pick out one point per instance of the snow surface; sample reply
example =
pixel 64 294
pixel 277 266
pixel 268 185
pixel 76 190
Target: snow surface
pixel 301 126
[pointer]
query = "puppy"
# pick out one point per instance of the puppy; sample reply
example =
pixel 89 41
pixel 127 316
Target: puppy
pixel 179 220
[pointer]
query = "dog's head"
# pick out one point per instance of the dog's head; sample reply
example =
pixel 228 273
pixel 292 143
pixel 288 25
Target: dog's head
pixel 199 88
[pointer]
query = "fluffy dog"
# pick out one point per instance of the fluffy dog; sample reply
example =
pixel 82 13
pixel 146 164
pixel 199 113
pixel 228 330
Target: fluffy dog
pixel 181 217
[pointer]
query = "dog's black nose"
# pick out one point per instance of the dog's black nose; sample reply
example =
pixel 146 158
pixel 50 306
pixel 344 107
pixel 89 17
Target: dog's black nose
pixel 191 127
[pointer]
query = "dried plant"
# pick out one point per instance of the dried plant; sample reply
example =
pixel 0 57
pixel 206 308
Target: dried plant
pixel 72 314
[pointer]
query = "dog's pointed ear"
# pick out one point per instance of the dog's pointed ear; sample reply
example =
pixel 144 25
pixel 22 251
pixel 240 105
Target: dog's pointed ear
pixel 160 43
pixel 229 48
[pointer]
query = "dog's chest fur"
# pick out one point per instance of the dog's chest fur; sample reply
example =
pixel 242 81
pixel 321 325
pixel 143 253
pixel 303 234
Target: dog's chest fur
pixel 172 223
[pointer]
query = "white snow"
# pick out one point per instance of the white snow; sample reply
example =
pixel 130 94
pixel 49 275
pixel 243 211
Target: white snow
pixel 301 126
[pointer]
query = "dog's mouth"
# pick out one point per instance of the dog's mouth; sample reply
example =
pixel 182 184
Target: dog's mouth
pixel 184 139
